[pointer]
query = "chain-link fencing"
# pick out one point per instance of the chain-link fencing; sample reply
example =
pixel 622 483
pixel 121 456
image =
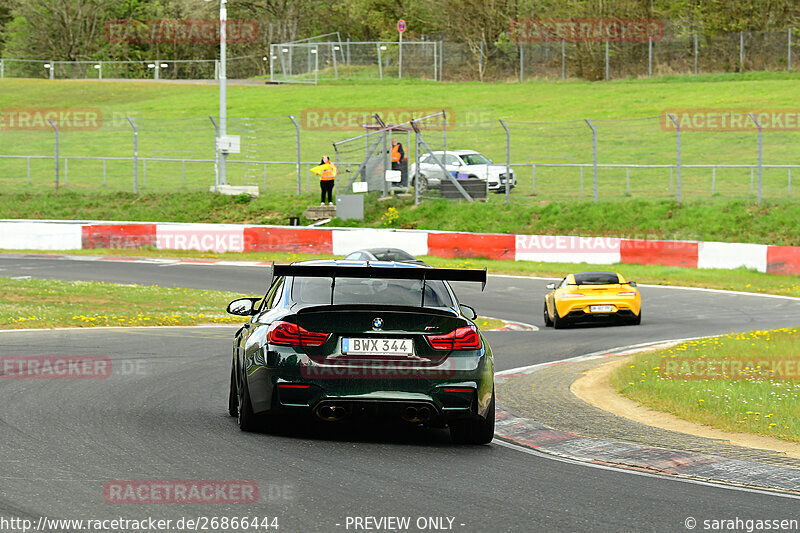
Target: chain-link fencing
pixel 682 154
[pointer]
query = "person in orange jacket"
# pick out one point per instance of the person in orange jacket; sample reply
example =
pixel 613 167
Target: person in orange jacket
pixel 397 154
pixel 327 175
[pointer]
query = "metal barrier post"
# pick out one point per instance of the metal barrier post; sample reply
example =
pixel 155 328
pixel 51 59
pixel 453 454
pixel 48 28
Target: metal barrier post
pixel 606 60
pixel 216 152
pixel 790 182
pixel 55 127
pixel 678 148
pixel 66 170
pixel 416 167
pixel 788 53
pixel 521 62
pixel 594 155
pixel 563 59
pixel 760 154
pixel 508 159
pixel 135 156
pixel 650 56
pixel 713 181
pixel 297 142
pixel 695 54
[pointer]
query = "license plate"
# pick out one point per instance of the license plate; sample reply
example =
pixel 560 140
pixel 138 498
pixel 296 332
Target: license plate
pixel 601 308
pixel 377 346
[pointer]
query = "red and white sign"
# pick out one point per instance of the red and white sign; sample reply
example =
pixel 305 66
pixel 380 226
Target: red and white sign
pixel 401 25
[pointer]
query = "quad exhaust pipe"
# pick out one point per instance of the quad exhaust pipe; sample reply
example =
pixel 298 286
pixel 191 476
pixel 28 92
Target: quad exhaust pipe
pixel 416 414
pixel 330 412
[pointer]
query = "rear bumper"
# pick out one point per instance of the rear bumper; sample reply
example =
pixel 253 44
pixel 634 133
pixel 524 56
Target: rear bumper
pixel 582 316
pixel 295 388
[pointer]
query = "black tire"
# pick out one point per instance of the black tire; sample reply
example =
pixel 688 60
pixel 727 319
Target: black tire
pixel 233 394
pixel 558 322
pixel 637 319
pixel 547 322
pixel 248 421
pixel 474 430
pixel 423 184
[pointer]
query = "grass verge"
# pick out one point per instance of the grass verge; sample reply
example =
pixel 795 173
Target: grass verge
pixel 742 382
pixel 741 279
pixel 29 303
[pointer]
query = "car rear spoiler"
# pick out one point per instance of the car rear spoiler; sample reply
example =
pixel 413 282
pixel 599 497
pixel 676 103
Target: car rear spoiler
pixel 381 272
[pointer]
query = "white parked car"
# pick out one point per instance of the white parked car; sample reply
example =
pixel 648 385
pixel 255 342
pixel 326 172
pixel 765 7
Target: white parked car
pixel 461 163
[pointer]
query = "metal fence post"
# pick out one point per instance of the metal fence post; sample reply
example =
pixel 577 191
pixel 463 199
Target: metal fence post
pixel 66 170
pixel 55 127
pixel 563 59
pixel 760 154
pixel 606 60
pixel 216 152
pixel 788 53
pixel 533 177
pixel 416 166
pixel 594 154
pixel 628 181
pixel 135 156
pixel 508 158
pixel 713 181
pixel 741 51
pixel 678 153
pixel 790 182
pixel 696 53
pixel 650 56
pixel 3 64
pixel 380 62
pixel 297 142
pixel 521 62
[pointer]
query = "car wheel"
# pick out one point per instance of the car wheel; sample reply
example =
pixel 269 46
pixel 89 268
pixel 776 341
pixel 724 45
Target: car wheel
pixel 475 430
pixel 558 322
pixel 248 421
pixel 637 319
pixel 233 394
pixel 547 322
pixel 423 184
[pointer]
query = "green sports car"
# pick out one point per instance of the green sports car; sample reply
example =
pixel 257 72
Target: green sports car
pixel 344 339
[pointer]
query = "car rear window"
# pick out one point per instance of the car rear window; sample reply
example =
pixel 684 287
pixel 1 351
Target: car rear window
pixel 393 255
pixel 596 278
pixel 369 291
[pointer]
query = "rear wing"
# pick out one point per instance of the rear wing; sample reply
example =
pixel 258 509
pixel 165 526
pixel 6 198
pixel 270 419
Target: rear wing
pixel 381 272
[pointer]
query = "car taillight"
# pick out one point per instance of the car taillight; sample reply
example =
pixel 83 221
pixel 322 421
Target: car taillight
pixel 566 295
pixel 627 293
pixel 288 334
pixel 463 338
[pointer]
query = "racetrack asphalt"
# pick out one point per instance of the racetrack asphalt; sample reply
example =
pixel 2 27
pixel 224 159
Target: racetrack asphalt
pixel 161 416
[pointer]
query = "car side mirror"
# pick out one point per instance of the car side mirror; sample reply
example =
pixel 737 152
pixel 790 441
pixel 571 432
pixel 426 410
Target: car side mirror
pixel 243 306
pixel 468 311
pixel 632 283
pixel 550 286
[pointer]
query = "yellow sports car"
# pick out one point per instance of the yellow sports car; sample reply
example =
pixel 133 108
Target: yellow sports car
pixel 586 296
